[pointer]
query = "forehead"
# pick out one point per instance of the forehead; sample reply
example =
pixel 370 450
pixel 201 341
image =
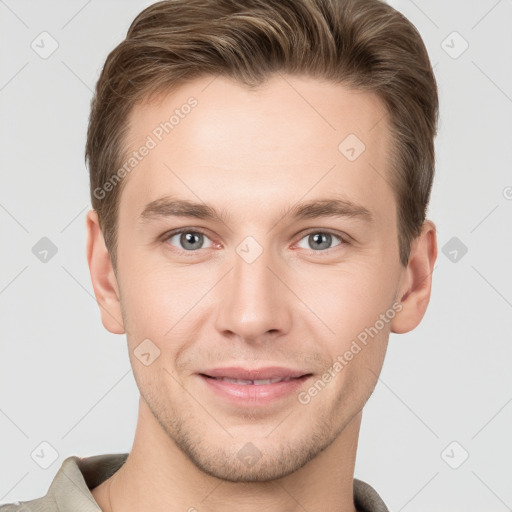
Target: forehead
pixel 216 141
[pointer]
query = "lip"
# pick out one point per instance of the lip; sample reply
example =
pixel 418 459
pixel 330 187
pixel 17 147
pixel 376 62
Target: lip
pixel 268 372
pixel 253 395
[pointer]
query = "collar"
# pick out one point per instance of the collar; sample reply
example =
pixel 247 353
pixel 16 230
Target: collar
pixel 70 489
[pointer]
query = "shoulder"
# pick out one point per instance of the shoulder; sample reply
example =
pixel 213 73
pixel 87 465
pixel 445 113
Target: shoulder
pixel 44 504
pixel 366 498
pixel 11 507
pixel 70 488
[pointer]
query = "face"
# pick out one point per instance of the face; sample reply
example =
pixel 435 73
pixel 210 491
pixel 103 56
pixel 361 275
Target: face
pixel 287 261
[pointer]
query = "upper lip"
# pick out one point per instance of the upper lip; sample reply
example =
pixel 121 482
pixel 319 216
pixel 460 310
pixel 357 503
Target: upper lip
pixel 268 372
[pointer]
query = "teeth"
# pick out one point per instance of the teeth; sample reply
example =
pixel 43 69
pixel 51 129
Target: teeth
pixel 237 381
pixel 257 382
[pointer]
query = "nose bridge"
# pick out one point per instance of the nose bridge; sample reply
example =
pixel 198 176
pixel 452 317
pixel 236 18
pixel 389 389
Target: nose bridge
pixel 254 301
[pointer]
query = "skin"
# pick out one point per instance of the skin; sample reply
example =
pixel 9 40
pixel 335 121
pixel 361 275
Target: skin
pixel 253 155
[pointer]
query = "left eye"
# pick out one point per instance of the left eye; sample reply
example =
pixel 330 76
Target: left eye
pixel 189 240
pixel 319 240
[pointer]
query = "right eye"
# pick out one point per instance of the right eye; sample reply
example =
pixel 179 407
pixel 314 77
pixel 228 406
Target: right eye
pixel 187 239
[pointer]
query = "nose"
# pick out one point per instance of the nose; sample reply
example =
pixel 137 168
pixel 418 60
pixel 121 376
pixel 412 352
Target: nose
pixel 255 304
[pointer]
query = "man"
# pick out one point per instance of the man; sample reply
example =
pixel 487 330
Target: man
pixel 260 173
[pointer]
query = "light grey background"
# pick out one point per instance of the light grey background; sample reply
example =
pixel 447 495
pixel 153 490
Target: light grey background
pixel 66 381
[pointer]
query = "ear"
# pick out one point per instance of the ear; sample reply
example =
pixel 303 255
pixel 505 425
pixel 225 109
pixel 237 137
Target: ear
pixel 103 277
pixel 416 282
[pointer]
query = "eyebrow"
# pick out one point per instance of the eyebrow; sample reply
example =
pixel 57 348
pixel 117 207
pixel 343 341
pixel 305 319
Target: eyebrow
pixel 329 207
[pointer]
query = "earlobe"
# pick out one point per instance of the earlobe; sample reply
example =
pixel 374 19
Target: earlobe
pixel 417 280
pixel 103 278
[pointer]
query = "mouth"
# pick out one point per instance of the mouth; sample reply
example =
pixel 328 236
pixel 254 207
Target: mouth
pixel 258 376
pixel 256 382
pixel 252 387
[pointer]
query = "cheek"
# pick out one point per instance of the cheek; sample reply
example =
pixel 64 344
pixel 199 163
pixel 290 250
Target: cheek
pixel 159 302
pixel 356 305
pixel 361 322
pixel 351 299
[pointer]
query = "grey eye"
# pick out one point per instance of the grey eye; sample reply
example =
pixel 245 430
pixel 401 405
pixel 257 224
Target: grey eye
pixel 189 240
pixel 319 240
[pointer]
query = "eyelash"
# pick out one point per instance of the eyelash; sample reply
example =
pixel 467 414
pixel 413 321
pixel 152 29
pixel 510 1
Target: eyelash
pixel 166 236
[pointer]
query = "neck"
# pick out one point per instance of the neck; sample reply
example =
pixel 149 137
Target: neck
pixel 158 476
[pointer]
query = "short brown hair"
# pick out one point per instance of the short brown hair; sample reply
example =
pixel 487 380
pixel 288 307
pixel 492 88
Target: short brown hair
pixel 363 44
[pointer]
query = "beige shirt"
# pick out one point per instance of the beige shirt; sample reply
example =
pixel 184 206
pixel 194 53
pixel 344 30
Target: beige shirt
pixel 70 488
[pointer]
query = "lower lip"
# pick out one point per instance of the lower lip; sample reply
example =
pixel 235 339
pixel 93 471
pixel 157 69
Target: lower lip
pixel 253 394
